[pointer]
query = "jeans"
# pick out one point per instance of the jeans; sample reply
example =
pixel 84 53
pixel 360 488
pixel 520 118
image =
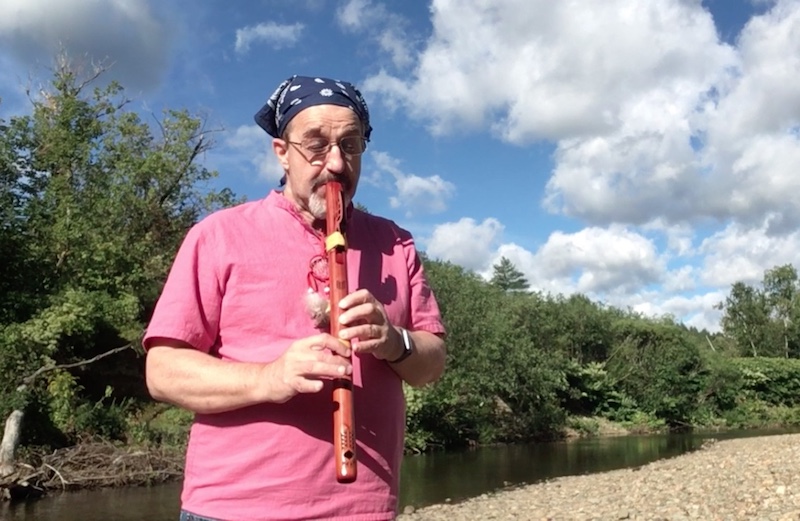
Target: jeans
pixel 188 516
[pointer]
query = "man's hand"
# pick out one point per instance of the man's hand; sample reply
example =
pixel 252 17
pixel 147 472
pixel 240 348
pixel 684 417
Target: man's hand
pixel 304 365
pixel 365 323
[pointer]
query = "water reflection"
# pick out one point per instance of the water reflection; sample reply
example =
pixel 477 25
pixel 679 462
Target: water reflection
pixel 426 479
pixel 158 503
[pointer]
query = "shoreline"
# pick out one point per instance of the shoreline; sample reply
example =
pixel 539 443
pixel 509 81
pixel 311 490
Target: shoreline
pixel 743 478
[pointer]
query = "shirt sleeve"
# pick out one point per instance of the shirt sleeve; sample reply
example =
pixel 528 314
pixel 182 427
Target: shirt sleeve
pixel 189 306
pixel 425 315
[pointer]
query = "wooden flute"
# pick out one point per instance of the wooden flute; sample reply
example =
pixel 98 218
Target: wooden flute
pixel 344 434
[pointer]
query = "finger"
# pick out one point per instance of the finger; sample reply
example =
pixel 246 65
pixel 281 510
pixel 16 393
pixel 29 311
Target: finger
pixel 359 296
pixel 363 313
pixel 341 347
pixel 363 332
pixel 332 367
pixel 325 341
pixel 367 345
pixel 306 385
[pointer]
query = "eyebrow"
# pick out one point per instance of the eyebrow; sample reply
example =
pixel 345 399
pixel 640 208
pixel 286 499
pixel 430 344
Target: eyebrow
pixel 317 131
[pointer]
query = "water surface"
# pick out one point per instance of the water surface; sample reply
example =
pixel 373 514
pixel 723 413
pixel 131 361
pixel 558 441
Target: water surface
pixel 426 479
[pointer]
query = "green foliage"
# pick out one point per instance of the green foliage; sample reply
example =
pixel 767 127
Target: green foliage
pixel 499 385
pixel 160 424
pixel 507 277
pixel 755 414
pixel 63 391
pixel 722 388
pixel 657 366
pixel 773 381
pixel 520 363
pixel 584 426
pixel 765 321
pixel 645 423
pixel 94 204
pixel 592 392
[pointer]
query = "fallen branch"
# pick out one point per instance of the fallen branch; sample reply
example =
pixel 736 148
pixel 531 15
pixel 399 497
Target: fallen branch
pixel 28 380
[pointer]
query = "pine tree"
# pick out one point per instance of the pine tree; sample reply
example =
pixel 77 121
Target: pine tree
pixel 507 277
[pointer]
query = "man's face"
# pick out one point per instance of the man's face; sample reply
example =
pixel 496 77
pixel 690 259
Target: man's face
pixel 307 173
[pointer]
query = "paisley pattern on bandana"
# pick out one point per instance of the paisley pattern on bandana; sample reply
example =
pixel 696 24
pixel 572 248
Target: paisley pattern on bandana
pixel 300 92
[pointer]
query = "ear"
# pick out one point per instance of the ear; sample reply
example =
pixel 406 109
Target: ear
pixel 281 149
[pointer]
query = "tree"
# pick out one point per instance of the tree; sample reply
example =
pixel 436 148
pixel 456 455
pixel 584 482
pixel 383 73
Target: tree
pixel 94 205
pixel 507 277
pixel 500 384
pixel 746 318
pixel 766 320
pixel 782 293
pixel 657 365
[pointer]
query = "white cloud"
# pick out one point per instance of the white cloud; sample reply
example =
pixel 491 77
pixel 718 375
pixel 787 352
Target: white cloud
pixel 597 262
pixel 465 242
pixel 395 42
pixel 428 193
pixel 387 29
pixel 541 69
pixel 615 266
pixel 738 253
pixel 356 15
pixel 276 35
pixel 697 311
pixel 250 145
pixel 658 128
pixel 600 261
pixel 123 34
pixel 654 118
pixel 414 193
pixel 680 280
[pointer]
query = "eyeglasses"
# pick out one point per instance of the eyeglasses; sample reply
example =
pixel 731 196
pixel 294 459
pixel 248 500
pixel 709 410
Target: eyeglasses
pixel 319 146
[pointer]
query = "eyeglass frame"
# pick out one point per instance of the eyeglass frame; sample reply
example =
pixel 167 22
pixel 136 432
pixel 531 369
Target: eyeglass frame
pixel 329 146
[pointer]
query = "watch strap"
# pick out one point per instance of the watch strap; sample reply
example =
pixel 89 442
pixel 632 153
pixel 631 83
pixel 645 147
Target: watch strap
pixel 408 346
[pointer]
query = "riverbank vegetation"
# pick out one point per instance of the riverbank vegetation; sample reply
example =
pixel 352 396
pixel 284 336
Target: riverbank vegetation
pixel 93 204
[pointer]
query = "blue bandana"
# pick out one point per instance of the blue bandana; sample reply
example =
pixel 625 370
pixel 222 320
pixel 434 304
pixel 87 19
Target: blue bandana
pixel 300 92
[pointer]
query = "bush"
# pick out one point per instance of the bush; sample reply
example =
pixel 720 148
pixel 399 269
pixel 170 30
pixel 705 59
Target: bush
pixel 775 381
pixel 160 424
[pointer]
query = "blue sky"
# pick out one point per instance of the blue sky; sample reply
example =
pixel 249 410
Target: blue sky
pixel 641 152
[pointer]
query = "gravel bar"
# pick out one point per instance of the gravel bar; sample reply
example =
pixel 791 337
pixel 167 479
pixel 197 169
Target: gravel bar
pixel 742 479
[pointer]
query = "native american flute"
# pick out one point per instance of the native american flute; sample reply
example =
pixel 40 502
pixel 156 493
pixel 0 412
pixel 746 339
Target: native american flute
pixel 344 435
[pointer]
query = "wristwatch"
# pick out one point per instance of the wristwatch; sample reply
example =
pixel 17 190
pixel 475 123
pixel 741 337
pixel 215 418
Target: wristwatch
pixel 408 346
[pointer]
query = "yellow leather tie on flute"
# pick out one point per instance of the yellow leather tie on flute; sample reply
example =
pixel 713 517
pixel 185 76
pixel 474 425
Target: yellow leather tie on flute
pixel 335 240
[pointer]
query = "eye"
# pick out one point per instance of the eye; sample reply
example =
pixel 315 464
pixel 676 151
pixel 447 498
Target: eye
pixel 351 145
pixel 348 147
pixel 316 146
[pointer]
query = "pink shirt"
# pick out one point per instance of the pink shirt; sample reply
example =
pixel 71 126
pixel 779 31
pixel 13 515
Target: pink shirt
pixel 236 290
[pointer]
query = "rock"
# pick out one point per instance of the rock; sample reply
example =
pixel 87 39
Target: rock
pixel 731 479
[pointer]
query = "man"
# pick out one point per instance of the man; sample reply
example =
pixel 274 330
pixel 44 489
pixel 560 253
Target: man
pixel 239 338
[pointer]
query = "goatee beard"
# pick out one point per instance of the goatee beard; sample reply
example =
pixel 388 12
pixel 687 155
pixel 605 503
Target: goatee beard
pixel 318 206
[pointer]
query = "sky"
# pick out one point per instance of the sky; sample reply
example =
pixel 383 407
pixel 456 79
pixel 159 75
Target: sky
pixel 639 152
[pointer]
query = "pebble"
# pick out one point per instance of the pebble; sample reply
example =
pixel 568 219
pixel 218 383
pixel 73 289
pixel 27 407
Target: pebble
pixel 754 478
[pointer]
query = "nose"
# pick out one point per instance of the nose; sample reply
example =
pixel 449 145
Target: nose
pixel 334 162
